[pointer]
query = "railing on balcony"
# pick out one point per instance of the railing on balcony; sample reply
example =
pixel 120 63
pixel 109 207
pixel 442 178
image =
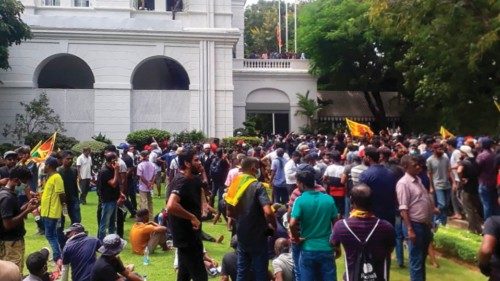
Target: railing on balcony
pixel 151 5
pixel 284 64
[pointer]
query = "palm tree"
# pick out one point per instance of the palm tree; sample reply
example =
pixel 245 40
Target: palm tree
pixel 307 108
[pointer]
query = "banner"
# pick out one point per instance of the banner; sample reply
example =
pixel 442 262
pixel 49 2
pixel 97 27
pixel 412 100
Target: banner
pixel 42 151
pixel 358 129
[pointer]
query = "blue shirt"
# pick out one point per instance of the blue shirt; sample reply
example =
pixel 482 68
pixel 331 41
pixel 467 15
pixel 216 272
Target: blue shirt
pixel 278 166
pixel 383 185
pixel 80 253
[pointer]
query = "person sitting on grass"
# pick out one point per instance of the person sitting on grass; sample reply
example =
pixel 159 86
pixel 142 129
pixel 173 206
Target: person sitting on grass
pixel 145 233
pixel 109 266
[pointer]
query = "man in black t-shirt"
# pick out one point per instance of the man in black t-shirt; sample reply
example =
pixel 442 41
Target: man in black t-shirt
pixel 12 216
pixel 184 209
pixel 109 266
pixel 109 192
pixel 489 252
pixel 69 175
pixel 10 158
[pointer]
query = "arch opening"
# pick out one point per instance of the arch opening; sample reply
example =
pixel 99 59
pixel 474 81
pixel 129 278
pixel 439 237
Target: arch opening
pixel 160 73
pixel 65 72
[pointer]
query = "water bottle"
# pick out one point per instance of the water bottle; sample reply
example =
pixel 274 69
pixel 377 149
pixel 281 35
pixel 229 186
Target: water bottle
pixel 145 260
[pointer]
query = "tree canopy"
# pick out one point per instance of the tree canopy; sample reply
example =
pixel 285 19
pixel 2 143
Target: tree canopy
pixel 12 29
pixel 440 55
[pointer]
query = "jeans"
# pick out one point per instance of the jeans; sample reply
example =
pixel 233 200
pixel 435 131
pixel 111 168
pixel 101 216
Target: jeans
pixel 191 266
pixel 52 235
pixel 217 189
pixel 443 203
pixel 280 194
pixel 108 219
pixel 317 264
pixel 73 207
pixel 398 227
pixel 258 262
pixel 472 208
pixel 347 209
pixel 488 195
pixel 296 258
pixel 417 252
pixel 84 189
pixel 340 204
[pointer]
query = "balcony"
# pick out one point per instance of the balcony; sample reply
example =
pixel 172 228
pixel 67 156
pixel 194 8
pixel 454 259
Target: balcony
pixel 291 65
pixel 151 5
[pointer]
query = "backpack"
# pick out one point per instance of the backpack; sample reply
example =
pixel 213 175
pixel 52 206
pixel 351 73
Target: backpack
pixel 364 268
pixel 216 170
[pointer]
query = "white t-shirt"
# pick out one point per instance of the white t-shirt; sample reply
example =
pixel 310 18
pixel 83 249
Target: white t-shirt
pixel 153 156
pixel 85 164
pixel 290 171
pixel 272 155
pixel 334 171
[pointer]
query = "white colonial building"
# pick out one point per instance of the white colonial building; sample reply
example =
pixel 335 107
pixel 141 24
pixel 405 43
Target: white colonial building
pixel 110 68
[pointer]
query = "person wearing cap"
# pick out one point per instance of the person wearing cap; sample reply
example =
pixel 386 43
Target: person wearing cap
pixel 145 233
pixel 155 158
pixel 12 217
pixel 109 266
pixel 206 158
pixel 146 172
pixel 51 206
pixel 468 172
pixel 184 209
pixel 10 158
pixel 69 175
pixel 37 266
pixel 84 168
pixel 108 188
pixel 487 178
pixel 79 253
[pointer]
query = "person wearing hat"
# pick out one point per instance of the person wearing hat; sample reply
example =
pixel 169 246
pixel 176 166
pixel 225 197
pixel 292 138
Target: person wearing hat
pixel 79 253
pixel 84 168
pixel 145 233
pixel 10 159
pixel 468 172
pixel 12 217
pixel 37 266
pixel 487 178
pixel 109 266
pixel 51 206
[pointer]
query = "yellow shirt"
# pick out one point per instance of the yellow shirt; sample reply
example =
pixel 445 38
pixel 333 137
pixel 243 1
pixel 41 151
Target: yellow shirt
pixel 139 236
pixel 51 206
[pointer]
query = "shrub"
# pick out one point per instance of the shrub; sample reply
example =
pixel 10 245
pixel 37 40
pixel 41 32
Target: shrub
pixel 458 243
pixel 192 137
pixel 102 138
pixel 142 137
pixel 4 147
pixel 231 141
pixel 63 142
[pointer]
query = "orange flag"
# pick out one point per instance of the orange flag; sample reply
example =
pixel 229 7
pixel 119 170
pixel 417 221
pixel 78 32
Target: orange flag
pixel 42 151
pixel 445 133
pixel 358 129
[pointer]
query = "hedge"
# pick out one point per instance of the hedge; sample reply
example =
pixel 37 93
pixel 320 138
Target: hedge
pixel 229 142
pixel 95 146
pixel 142 137
pixel 192 137
pixel 458 243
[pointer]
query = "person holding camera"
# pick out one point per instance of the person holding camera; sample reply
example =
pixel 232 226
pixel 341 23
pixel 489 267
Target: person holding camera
pixel 12 229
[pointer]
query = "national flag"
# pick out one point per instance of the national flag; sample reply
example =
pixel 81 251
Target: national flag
pixel 445 133
pixel 42 151
pixel 358 129
pixel 237 188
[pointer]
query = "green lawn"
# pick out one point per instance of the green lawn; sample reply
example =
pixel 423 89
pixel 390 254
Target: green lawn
pixel 161 267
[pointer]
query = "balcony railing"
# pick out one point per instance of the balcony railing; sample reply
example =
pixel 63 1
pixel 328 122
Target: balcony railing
pixel 284 64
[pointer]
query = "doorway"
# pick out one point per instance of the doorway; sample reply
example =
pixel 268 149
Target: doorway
pixel 270 122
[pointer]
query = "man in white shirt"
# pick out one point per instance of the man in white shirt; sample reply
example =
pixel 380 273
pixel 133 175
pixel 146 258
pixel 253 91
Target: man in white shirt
pixel 291 170
pixel 84 167
pixel 154 157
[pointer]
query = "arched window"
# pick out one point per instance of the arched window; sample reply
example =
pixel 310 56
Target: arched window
pixel 65 72
pixel 160 73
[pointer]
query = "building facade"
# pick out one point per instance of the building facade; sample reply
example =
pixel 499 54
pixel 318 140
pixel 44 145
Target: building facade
pixel 108 67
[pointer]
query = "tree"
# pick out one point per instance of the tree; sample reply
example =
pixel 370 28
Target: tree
pixel 347 53
pixel 37 117
pixel 12 29
pixel 309 109
pixel 261 20
pixel 451 64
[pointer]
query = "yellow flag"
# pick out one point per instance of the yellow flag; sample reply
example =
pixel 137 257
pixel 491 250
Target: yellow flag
pixel 445 133
pixel 358 129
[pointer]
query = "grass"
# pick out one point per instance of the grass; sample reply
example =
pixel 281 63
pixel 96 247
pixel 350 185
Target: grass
pixel 161 266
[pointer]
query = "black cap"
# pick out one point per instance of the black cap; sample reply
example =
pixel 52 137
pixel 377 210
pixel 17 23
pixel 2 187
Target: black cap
pixel 37 261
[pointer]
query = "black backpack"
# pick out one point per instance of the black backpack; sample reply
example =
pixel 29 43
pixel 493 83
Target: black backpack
pixel 364 268
pixel 216 170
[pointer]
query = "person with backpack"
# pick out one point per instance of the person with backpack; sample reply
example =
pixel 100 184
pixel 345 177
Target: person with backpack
pixel 280 189
pixel 218 173
pixel 367 240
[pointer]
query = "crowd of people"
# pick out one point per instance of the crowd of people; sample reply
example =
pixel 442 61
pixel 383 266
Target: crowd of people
pixel 294 200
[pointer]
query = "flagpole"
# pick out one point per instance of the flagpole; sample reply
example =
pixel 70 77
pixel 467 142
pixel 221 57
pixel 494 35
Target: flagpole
pixel 279 25
pixel 295 26
pixel 286 26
